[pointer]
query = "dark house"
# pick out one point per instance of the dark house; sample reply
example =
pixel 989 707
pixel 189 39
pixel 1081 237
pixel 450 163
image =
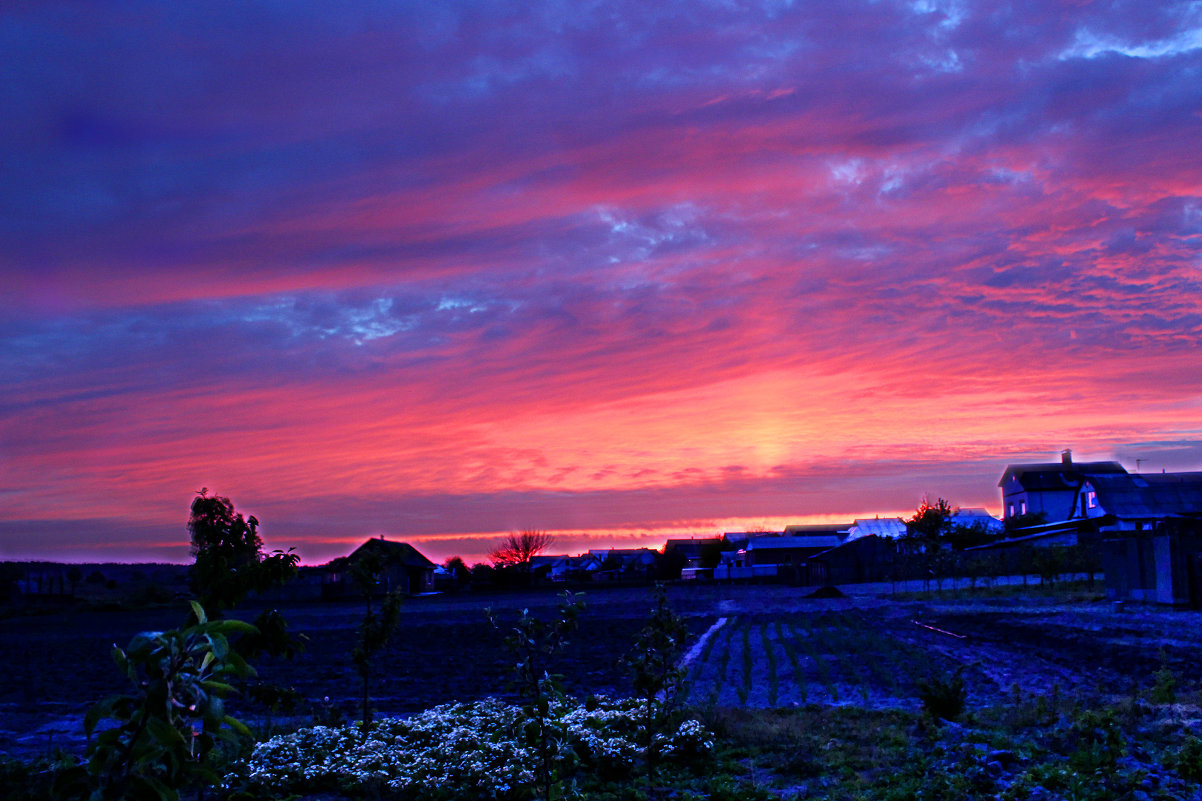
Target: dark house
pixel 626 564
pixel 403 568
pixel 1049 489
pixel 792 548
pixel 1152 535
pixel 694 552
pixel 863 559
pixel 1146 526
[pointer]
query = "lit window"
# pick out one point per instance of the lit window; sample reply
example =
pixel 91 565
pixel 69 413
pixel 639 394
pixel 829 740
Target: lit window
pixel 1022 507
pixel 1011 512
pixel 1091 500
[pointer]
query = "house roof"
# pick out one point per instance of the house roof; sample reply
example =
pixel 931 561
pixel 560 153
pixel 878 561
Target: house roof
pixel 819 528
pixel 624 553
pixel 392 552
pixel 889 527
pixel 786 543
pixel 690 547
pixel 548 559
pixel 975 517
pixel 1150 495
pixel 1057 475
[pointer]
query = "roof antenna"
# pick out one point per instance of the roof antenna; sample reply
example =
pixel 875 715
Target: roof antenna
pixel 1138 462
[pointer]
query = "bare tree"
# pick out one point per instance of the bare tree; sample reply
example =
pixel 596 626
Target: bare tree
pixel 518 549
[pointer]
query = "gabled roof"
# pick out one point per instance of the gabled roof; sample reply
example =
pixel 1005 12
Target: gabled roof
pixel 818 528
pixel 690 547
pixel 1057 475
pixel 749 535
pixel 547 559
pixel 975 517
pixel 890 527
pixel 392 553
pixel 789 543
pixel 634 556
pixel 1150 495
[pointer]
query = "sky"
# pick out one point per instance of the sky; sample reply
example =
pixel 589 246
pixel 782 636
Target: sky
pixel 613 270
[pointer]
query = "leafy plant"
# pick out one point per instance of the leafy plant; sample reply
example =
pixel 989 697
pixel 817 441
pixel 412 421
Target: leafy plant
pixel 1164 688
pixel 375 630
pixel 164 731
pixel 532 643
pixel 653 665
pixel 1186 758
pixel 1099 741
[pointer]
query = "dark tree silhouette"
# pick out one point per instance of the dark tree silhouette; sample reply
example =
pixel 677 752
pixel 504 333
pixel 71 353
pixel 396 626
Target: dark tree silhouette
pixel 74 575
pixel 458 569
pixel 518 549
pixel 930 521
pixel 229 555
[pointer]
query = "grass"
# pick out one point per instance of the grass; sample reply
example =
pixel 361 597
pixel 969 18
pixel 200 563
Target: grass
pixel 1105 749
pixel 1095 751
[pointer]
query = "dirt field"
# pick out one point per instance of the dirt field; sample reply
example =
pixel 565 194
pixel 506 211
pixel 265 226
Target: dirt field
pixel 775 649
pixel 874 651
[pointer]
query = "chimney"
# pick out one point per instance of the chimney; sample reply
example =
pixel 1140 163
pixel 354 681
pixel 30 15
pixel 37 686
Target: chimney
pixel 1066 456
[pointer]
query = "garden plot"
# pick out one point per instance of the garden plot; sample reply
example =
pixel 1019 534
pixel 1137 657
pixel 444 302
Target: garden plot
pixel 777 649
pixel 874 654
pixel 825 657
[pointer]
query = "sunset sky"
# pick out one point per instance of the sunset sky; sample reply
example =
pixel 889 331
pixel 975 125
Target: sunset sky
pixel 617 271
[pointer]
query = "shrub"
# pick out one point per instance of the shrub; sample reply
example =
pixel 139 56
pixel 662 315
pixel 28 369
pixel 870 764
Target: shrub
pixel 944 696
pixel 1099 741
pixel 1186 759
pixel 20 781
pixel 1164 688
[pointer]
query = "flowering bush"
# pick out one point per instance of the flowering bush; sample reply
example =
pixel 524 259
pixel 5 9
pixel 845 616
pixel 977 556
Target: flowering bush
pixel 474 750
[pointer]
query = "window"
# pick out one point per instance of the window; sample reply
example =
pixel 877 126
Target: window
pixel 1011 512
pixel 1091 500
pixel 1022 507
